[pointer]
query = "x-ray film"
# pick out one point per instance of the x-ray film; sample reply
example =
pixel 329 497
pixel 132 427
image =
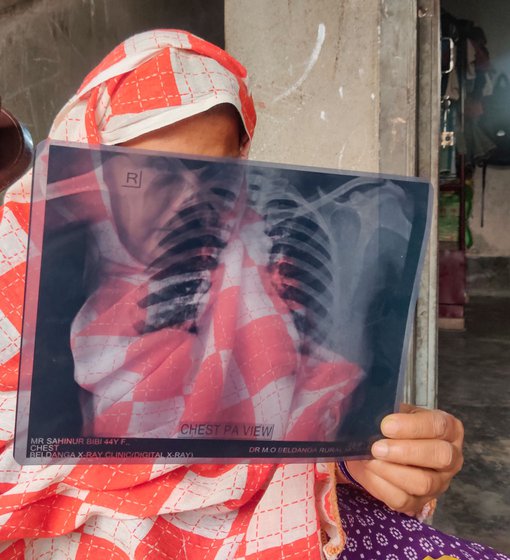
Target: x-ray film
pixel 193 309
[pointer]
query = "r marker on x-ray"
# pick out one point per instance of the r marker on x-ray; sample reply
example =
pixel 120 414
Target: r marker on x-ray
pixel 133 179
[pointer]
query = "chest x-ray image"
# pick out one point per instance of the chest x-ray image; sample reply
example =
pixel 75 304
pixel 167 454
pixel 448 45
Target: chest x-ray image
pixel 183 308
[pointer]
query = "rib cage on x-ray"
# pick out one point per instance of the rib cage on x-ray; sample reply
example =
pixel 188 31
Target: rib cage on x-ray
pixel 325 239
pixel 322 241
pixel 191 250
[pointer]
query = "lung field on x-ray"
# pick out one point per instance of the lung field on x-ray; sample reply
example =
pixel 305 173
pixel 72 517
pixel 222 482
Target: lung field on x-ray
pixel 339 245
pixel 191 250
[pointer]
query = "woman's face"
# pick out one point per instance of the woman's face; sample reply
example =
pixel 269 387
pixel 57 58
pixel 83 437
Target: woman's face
pixel 141 214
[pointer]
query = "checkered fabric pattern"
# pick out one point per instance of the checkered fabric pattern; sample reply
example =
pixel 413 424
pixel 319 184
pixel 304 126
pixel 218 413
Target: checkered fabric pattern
pixel 147 511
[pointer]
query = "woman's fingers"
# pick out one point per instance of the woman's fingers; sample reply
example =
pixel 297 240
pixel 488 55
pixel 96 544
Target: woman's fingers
pixel 420 423
pixel 431 439
pixel 417 460
pixel 418 482
pixel 434 454
pixel 383 490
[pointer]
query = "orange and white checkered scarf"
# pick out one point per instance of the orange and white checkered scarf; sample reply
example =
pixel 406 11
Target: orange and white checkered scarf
pixel 147 511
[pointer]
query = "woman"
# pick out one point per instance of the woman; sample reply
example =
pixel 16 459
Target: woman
pixel 166 90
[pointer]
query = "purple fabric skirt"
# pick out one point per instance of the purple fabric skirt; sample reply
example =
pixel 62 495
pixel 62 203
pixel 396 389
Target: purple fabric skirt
pixel 375 532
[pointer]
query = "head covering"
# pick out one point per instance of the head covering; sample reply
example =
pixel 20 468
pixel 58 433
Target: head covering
pixel 152 80
pixel 147 511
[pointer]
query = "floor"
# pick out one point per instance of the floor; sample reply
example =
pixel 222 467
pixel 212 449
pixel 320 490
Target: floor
pixel 474 384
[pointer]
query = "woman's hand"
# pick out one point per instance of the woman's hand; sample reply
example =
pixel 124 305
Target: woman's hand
pixel 417 461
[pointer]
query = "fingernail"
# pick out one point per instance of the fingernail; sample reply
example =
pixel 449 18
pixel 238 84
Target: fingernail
pixel 380 449
pixel 389 426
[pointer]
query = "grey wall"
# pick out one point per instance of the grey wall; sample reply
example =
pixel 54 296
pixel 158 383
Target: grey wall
pixel 493 240
pixel 48 46
pixel 315 79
